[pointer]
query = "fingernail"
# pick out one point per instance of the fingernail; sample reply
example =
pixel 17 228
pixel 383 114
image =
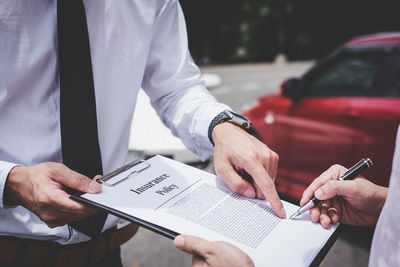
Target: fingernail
pixel 318 193
pixel 179 241
pixel 249 193
pixel 94 186
pixel 283 213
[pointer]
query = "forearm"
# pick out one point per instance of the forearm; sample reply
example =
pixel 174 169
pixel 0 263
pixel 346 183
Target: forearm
pixel 172 81
pixel 189 116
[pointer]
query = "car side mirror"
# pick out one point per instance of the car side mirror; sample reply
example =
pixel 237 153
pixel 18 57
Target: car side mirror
pixel 291 89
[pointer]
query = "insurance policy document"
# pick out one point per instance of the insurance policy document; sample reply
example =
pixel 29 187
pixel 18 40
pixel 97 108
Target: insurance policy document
pixel 190 201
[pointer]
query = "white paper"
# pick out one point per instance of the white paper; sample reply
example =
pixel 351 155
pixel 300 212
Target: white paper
pixel 190 201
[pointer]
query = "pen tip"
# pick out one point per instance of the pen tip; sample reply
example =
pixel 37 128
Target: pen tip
pixel 294 215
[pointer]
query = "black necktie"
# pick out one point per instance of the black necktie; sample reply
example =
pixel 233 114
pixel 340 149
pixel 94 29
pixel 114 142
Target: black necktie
pixel 79 137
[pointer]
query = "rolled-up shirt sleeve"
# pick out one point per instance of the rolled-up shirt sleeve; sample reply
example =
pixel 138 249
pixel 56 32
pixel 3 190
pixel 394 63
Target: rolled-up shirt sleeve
pixel 172 81
pixel 5 168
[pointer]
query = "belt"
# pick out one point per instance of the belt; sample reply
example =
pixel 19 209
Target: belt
pixel 20 251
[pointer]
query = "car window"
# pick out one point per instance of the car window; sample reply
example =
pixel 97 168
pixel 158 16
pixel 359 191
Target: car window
pixel 350 74
pixel 394 86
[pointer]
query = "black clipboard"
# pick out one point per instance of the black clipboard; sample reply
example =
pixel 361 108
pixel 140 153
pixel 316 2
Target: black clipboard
pixel 328 245
pixel 108 181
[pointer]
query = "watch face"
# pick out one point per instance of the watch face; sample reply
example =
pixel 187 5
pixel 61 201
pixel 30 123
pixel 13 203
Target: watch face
pixel 229 114
pixel 238 119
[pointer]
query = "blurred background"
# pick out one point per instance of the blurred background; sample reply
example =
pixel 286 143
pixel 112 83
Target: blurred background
pixel 233 31
pixel 246 50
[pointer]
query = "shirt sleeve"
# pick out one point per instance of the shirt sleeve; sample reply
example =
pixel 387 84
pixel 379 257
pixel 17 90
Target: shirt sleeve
pixel 5 168
pixel 172 81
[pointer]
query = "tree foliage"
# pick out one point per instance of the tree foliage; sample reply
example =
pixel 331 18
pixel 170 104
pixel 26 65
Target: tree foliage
pixel 223 31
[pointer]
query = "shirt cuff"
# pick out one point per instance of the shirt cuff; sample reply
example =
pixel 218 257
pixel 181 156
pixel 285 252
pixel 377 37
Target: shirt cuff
pixel 5 168
pixel 202 122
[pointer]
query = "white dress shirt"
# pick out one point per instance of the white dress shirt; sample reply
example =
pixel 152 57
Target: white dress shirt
pixel 140 43
pixel 385 249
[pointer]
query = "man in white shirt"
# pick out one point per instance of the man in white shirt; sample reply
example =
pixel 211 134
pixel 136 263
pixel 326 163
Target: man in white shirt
pixel 133 44
pixel 354 202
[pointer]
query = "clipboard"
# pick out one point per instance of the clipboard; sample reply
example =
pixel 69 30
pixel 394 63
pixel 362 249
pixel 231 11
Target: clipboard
pixel 111 180
pixel 132 169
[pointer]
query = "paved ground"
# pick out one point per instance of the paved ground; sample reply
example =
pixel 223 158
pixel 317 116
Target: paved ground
pixel 241 85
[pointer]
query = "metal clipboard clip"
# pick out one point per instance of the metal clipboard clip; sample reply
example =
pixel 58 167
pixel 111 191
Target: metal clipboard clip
pixel 114 177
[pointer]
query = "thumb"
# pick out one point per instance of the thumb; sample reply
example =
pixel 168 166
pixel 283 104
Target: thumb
pixel 191 244
pixel 77 181
pixel 334 188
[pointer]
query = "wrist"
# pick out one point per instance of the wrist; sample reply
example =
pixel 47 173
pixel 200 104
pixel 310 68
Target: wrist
pixel 11 195
pixel 381 195
pixel 378 197
pixel 223 129
pixel 233 119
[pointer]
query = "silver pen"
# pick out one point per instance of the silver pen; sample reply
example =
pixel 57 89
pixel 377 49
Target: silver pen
pixel 348 175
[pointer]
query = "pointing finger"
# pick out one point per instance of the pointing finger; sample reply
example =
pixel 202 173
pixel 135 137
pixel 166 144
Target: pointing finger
pixel 267 187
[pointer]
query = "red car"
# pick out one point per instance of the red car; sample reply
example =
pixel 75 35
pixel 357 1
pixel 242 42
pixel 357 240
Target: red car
pixel 345 108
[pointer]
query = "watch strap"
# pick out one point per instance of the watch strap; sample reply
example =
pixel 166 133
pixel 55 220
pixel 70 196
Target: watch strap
pixel 221 117
pixel 217 119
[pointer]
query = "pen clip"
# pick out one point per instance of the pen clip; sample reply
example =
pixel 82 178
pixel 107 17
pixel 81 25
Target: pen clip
pixel 124 173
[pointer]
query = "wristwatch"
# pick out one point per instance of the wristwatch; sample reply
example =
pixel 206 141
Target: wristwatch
pixel 232 117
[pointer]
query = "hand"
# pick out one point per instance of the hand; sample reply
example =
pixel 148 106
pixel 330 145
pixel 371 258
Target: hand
pixel 236 150
pixel 205 253
pixel 41 189
pixel 354 202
